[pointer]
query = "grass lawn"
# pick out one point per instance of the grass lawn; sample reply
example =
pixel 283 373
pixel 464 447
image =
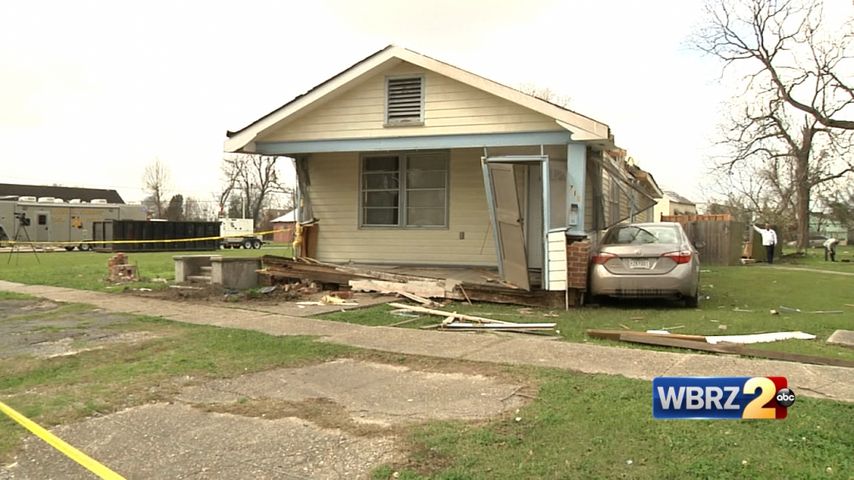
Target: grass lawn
pixel 88 270
pixel 597 426
pixel 739 301
pixel 814 258
pixel 579 426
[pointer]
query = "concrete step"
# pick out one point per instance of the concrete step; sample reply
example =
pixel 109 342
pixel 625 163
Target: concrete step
pixel 206 270
pixel 199 278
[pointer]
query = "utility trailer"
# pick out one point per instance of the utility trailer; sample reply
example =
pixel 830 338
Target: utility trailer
pixel 239 232
pixel 49 219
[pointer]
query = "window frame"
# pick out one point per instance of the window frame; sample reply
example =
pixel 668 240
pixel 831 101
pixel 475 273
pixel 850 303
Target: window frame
pixel 420 122
pixel 402 204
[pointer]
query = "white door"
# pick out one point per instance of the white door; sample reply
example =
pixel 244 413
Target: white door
pixel 508 224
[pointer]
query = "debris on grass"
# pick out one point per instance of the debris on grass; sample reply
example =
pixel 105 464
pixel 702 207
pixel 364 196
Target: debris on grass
pixel 457 321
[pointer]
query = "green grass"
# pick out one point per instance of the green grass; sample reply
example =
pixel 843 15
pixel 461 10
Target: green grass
pixel 756 288
pixel 65 389
pixel 14 296
pixel 814 258
pixel 597 426
pixel 88 270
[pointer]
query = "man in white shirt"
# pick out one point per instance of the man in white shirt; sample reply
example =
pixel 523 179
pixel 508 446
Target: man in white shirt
pixel 830 249
pixel 769 241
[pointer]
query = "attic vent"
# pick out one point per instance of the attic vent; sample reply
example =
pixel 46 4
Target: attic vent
pixel 405 101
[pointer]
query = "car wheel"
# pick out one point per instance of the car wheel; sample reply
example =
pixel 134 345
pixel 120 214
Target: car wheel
pixel 693 301
pixel 84 247
pixel 247 244
pixel 256 244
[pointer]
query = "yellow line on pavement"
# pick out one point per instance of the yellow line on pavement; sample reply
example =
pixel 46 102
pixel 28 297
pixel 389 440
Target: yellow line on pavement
pixel 57 443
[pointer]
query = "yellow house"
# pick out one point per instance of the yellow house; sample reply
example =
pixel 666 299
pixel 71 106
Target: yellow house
pixel 403 159
pixel 674 204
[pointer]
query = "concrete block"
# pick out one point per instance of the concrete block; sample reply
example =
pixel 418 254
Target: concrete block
pixel 842 337
pixel 233 272
pixel 190 265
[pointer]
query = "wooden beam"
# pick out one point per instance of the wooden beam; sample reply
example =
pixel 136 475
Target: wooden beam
pixel 615 335
pixel 664 341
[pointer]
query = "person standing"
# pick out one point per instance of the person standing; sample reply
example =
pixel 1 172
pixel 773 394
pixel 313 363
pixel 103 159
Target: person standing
pixel 830 249
pixel 769 240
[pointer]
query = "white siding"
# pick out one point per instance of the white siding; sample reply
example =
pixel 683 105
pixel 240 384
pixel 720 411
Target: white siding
pixel 335 202
pixel 557 261
pixel 451 107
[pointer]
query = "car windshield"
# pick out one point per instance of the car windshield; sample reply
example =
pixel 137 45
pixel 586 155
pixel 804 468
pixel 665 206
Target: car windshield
pixel 635 234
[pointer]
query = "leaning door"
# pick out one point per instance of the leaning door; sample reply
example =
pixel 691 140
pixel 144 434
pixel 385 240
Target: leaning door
pixel 507 221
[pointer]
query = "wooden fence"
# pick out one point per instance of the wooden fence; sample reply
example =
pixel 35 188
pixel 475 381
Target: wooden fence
pixel 718 238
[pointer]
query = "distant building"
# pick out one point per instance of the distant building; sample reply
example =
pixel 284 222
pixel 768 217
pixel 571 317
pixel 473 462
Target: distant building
pixel 821 225
pixel 64 193
pixel 674 204
pixel 283 227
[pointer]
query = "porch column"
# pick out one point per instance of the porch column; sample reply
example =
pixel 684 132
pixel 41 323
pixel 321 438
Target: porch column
pixel 576 170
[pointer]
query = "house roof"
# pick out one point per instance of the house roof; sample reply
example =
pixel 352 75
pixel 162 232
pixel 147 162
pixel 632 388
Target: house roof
pixel 583 128
pixel 288 217
pixel 65 193
pixel 678 198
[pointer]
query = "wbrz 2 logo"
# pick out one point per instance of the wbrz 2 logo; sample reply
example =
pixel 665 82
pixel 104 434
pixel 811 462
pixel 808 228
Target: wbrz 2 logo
pixel 721 397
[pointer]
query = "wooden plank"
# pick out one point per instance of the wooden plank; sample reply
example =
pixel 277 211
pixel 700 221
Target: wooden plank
pixel 735 349
pixel 615 335
pixel 789 357
pixel 440 313
pixel 500 326
pixel 666 341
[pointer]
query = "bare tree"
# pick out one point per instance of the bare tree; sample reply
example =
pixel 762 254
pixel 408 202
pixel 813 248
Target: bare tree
pixel 800 144
pixel 156 180
pixel 256 177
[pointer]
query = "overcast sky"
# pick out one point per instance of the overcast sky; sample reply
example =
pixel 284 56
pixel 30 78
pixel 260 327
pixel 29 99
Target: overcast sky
pixel 91 91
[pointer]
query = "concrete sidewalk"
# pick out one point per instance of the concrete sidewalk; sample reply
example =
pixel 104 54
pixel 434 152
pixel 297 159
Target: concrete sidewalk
pixel 836 383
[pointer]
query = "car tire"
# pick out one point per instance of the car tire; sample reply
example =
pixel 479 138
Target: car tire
pixel 247 244
pixel 256 244
pixel 84 247
pixel 693 301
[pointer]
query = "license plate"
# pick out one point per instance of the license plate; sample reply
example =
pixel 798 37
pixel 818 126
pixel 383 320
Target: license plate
pixel 638 263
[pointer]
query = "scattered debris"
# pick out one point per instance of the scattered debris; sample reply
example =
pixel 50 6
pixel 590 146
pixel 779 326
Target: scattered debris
pixel 333 300
pixel 700 343
pixel 457 321
pixel 625 326
pixel 789 309
pixel 417 288
pixel 267 290
pixel 119 270
pixel 742 310
pixel 721 327
pixel 773 312
pixel 826 311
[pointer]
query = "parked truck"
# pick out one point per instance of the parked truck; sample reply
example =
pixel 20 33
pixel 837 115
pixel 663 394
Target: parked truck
pixel 49 219
pixel 239 232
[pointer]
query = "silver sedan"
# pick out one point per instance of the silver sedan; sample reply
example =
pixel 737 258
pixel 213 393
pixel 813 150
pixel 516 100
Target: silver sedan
pixel 646 260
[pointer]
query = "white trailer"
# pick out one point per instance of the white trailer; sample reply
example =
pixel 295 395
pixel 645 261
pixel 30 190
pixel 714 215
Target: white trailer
pixel 239 232
pixel 48 219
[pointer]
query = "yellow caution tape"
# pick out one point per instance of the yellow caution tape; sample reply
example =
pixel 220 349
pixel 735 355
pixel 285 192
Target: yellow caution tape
pixel 57 443
pixel 126 242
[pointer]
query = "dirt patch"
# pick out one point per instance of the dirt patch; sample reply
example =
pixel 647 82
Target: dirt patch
pixel 177 441
pixel 372 393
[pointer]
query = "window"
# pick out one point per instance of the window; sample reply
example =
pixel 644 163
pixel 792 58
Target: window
pixel 404 101
pixel 42 219
pixel 405 190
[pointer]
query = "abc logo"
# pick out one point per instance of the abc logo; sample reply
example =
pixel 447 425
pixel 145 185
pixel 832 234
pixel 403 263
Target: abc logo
pixel 785 397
